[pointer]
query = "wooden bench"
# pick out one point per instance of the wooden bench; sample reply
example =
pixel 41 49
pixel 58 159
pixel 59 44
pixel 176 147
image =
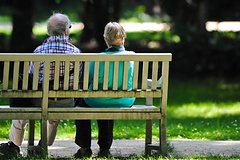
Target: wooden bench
pixel 150 81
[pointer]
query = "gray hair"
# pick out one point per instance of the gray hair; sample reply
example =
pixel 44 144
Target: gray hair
pixel 57 24
pixel 113 33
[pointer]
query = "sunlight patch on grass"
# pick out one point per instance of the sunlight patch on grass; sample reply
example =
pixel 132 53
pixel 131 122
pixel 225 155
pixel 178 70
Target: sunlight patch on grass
pixel 205 109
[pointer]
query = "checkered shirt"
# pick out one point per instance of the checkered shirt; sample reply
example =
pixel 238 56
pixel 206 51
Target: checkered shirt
pixel 56 45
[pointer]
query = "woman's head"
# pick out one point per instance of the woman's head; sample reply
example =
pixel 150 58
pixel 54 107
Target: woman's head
pixel 114 34
pixel 58 24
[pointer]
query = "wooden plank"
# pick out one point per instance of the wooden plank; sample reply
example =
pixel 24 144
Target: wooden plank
pixel 25 75
pixel 135 75
pixel 56 75
pixel 115 75
pixel 66 75
pixel 140 112
pixel 105 116
pixel 15 75
pixel 96 75
pixel 141 108
pixel 76 75
pixel 106 74
pixel 162 126
pixel 97 94
pixel 35 75
pixel 86 57
pixel 20 113
pixel 154 75
pixel 144 75
pixel 86 75
pixel 20 94
pixel 125 76
pixel 6 75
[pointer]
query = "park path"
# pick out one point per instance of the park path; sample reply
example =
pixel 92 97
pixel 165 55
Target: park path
pixel 126 148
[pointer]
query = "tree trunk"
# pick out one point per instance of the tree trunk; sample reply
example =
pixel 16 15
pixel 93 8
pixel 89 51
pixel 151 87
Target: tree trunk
pixel 97 15
pixel 202 15
pixel 22 21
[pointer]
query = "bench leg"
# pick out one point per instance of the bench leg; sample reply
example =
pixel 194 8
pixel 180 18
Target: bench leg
pixel 44 137
pixel 148 138
pixel 31 128
pixel 163 140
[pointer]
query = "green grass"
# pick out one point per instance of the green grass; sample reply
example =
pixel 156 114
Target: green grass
pixel 202 110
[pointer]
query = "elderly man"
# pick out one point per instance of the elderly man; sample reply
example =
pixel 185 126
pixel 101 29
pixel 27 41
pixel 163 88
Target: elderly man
pixel 58 28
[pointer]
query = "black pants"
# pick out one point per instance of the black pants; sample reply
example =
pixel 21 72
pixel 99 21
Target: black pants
pixel 20 102
pixel 83 131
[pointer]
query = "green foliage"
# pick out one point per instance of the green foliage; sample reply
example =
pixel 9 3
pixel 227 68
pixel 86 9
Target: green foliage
pixel 166 36
pixel 4 101
pixel 5 128
pixel 138 14
pixel 205 53
pixel 58 1
pixel 5 19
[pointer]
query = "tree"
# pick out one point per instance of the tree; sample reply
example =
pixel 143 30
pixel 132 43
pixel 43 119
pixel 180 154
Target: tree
pixel 22 20
pixel 97 14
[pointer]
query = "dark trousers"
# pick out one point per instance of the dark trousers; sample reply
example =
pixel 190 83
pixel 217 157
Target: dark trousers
pixel 20 102
pixel 83 131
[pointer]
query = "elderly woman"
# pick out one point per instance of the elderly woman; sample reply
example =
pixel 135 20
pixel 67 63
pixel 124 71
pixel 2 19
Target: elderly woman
pixel 114 36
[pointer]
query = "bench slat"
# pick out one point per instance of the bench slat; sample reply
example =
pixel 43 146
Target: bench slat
pixel 86 57
pixel 15 75
pixel 20 113
pixel 96 94
pixel 136 112
pixel 20 94
pixel 6 75
pixel 105 116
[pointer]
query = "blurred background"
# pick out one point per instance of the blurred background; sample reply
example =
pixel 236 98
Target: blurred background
pixel 202 35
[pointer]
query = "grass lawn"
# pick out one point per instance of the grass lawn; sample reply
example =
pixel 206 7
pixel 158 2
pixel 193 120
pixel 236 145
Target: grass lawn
pixel 200 109
pixel 205 109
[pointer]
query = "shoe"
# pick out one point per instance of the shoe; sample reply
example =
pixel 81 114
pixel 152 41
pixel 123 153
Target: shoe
pixel 81 154
pixel 39 150
pixel 9 149
pixel 36 151
pixel 104 153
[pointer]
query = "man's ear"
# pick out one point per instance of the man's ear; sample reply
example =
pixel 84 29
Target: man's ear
pixel 67 32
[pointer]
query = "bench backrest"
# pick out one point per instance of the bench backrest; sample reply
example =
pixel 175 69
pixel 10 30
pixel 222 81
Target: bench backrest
pixel 146 66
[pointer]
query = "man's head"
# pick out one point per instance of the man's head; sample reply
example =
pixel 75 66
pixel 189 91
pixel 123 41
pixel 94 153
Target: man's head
pixel 114 34
pixel 58 24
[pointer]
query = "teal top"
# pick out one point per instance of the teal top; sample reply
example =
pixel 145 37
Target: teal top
pixel 111 102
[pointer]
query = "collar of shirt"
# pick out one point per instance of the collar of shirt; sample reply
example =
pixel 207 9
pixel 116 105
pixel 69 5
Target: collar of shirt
pixel 62 38
pixel 115 48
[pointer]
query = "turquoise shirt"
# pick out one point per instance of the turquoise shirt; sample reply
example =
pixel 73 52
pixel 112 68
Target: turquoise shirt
pixel 111 102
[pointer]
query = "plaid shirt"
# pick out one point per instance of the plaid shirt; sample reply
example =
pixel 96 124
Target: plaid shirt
pixel 56 44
